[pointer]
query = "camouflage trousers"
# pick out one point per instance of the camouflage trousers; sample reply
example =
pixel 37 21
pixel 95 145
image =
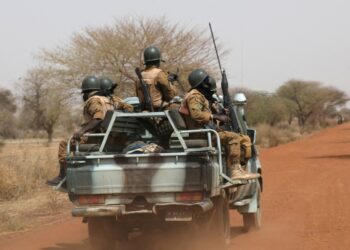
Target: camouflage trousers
pixel 62 150
pixel 237 147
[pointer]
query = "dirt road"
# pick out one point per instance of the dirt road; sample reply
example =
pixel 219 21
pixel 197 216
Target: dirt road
pixel 306 202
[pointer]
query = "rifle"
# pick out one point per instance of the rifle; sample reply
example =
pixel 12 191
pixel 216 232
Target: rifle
pixel 227 98
pixel 147 102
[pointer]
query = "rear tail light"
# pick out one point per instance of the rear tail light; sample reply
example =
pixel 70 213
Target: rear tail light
pixel 189 196
pixel 91 199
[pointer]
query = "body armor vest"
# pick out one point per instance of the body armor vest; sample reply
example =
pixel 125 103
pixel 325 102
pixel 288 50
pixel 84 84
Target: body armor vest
pixel 106 105
pixel 149 77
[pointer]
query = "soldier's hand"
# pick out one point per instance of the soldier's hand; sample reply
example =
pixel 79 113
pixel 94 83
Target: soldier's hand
pixel 221 117
pixel 77 135
pixel 215 107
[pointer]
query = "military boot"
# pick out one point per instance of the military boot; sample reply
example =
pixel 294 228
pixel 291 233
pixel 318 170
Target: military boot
pixel 55 181
pixel 237 173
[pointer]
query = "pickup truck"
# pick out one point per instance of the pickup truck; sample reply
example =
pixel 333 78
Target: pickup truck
pixel 118 192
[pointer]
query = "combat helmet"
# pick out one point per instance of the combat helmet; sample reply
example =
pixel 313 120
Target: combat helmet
pixel 107 85
pixel 90 83
pixel 197 77
pixel 152 54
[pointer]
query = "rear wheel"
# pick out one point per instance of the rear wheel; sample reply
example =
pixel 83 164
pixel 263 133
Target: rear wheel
pixel 220 226
pixel 253 220
pixel 101 233
pixel 213 229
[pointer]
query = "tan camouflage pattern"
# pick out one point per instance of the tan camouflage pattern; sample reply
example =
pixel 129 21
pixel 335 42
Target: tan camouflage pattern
pixel 160 89
pixel 120 105
pixel 95 107
pixel 197 107
pixel 200 114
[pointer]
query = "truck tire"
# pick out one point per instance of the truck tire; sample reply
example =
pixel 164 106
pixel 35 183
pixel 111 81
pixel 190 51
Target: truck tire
pixel 101 233
pixel 213 229
pixel 220 222
pixel 252 221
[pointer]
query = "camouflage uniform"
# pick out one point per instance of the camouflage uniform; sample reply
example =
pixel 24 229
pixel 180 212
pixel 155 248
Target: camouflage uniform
pixel 197 113
pixel 161 92
pixel 160 89
pixel 118 104
pixel 94 108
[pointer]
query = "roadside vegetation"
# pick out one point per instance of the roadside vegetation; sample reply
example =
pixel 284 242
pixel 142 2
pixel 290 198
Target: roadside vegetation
pixel 24 167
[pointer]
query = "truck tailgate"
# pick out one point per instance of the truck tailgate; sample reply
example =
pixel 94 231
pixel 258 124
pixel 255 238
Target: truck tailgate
pixel 135 174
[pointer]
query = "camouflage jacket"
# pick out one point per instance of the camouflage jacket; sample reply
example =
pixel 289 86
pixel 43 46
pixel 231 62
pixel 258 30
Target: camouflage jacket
pixel 160 89
pixel 195 109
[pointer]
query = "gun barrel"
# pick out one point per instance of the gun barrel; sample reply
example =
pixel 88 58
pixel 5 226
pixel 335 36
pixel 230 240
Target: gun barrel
pixel 216 50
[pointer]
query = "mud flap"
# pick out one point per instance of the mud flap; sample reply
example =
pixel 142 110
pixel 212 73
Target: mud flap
pixel 251 207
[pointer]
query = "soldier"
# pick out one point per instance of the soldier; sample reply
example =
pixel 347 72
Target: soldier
pixel 107 89
pixel 160 88
pixel 197 113
pixel 95 108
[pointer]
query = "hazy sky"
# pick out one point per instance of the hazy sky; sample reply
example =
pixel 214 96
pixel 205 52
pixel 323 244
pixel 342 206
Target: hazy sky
pixel 271 41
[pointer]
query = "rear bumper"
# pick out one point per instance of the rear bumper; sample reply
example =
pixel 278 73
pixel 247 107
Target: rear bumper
pixel 100 211
pixel 118 210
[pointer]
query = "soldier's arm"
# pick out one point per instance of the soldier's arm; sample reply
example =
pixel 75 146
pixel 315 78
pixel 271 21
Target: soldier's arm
pixel 168 90
pixel 120 105
pixel 95 109
pixel 126 107
pixel 195 105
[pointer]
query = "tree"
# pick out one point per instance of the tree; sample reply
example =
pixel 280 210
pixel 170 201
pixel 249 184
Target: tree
pixel 114 51
pixel 44 100
pixel 7 113
pixel 309 101
pixel 333 100
pixel 263 107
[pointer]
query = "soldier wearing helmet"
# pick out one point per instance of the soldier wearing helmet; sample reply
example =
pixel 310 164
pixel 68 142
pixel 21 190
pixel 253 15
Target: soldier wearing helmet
pixel 95 108
pixel 160 89
pixel 197 113
pixel 107 89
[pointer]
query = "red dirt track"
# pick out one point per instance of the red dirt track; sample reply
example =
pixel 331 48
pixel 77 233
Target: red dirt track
pixel 305 201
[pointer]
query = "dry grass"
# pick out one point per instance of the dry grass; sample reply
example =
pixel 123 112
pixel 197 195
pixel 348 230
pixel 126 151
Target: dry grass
pixel 24 167
pixel 45 207
pixel 25 199
pixel 268 136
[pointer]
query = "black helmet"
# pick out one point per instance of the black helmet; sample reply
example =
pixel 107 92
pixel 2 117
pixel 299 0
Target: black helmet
pixel 151 54
pixel 90 83
pixel 107 85
pixel 197 77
